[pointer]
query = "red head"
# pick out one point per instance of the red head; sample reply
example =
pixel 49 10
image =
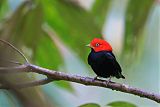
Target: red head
pixel 100 45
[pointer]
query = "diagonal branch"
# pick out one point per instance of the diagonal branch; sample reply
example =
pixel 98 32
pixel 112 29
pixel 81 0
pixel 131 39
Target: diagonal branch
pixel 54 75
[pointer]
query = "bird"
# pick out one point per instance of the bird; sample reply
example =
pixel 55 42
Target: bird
pixel 102 60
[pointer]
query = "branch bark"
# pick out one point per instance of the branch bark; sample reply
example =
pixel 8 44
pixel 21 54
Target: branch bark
pixel 54 75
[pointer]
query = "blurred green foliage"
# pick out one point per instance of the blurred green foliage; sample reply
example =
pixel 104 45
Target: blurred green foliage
pixel 75 27
pixel 121 104
pixel 99 10
pixel 90 105
pixel 136 17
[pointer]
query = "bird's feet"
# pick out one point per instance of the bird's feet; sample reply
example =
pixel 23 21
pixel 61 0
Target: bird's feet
pixel 108 81
pixel 95 78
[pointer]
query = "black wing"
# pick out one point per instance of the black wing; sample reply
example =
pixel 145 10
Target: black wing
pixel 117 69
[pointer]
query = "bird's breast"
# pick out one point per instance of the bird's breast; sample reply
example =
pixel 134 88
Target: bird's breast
pixel 96 58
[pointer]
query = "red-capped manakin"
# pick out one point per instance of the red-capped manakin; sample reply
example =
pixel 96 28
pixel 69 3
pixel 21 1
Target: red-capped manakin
pixel 102 60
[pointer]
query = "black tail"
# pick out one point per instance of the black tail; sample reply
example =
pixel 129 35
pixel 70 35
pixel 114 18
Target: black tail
pixel 122 76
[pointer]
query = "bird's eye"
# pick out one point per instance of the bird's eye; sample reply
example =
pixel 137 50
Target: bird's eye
pixel 97 44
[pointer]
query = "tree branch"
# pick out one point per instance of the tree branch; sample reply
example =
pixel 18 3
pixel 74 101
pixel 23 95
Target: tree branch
pixel 54 75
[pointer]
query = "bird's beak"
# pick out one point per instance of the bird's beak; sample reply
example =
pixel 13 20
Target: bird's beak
pixel 89 46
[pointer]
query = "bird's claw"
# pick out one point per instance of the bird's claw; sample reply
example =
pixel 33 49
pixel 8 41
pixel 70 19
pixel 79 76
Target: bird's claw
pixel 109 80
pixel 95 78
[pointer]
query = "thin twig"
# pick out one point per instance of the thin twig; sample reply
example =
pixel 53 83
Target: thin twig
pixel 10 61
pixel 14 69
pixel 14 48
pixel 29 84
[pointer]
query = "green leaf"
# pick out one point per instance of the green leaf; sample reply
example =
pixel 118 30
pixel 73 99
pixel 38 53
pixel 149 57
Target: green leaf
pixel 90 105
pixel 135 19
pixel 99 10
pixel 64 85
pixel 121 104
pixel 3 8
pixel 46 54
pixel 10 25
pixel 24 29
pixel 136 16
pixel 74 25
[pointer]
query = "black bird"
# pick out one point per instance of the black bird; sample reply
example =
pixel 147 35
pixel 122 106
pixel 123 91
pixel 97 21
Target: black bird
pixel 103 61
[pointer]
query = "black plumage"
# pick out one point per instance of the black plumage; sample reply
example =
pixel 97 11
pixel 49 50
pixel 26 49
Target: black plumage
pixel 104 64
